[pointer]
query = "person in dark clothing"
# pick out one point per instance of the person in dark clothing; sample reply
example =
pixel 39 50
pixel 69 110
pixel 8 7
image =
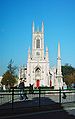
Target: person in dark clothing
pixel 64 95
pixel 64 89
pixel 22 93
pixel 31 88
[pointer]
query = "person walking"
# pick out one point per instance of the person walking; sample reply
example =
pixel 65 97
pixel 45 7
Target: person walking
pixel 31 89
pixel 23 95
pixel 64 89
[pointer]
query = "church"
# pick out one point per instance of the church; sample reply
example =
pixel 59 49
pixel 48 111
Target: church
pixel 38 72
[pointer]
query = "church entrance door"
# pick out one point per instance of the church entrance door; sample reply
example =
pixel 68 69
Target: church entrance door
pixel 37 83
pixel 37 76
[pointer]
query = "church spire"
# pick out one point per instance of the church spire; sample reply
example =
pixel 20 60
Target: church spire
pixel 59 50
pixel 33 27
pixel 42 27
pixel 59 60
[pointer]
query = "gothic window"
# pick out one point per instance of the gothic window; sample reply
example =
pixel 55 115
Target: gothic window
pixel 38 43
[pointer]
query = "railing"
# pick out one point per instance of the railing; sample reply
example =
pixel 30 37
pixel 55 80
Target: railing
pixel 37 97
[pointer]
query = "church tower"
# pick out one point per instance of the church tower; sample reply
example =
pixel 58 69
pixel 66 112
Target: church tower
pixel 38 43
pixel 38 62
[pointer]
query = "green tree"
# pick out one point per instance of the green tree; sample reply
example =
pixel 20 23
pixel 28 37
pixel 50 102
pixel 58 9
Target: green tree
pixel 70 78
pixel 68 74
pixel 67 69
pixel 9 77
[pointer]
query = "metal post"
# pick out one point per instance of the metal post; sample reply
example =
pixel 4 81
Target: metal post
pixel 60 96
pixel 12 97
pixel 39 96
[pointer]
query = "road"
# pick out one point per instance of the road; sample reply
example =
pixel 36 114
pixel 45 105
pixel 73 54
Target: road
pixel 55 114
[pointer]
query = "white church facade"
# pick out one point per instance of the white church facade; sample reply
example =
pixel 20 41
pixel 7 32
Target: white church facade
pixel 38 72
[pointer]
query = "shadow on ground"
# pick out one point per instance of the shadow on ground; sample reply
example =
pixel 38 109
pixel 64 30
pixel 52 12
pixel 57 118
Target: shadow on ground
pixel 44 105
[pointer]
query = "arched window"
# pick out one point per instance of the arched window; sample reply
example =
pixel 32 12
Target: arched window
pixel 38 43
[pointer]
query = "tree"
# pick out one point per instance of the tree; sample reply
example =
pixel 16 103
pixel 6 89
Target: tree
pixel 70 78
pixel 9 77
pixel 68 74
pixel 67 69
pixel 11 68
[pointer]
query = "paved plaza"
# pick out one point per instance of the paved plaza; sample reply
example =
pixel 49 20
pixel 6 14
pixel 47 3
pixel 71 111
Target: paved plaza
pixel 37 107
pixel 34 99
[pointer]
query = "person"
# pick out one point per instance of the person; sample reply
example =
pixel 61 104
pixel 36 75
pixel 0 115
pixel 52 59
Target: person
pixel 22 93
pixel 64 95
pixel 30 88
pixel 65 88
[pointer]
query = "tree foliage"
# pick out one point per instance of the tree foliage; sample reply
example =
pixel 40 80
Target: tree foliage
pixel 69 79
pixel 9 77
pixel 68 74
pixel 67 69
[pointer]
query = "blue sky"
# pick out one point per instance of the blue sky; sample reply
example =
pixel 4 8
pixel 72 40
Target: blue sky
pixel 16 17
